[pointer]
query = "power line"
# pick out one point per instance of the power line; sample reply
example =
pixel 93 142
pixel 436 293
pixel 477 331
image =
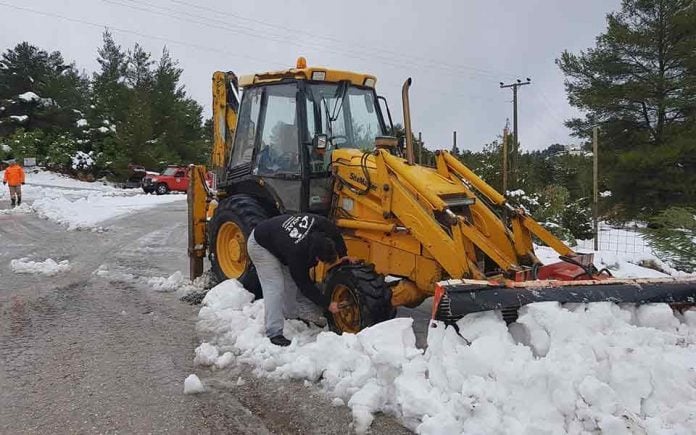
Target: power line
pixel 254 33
pixel 373 47
pixel 203 47
pixel 134 32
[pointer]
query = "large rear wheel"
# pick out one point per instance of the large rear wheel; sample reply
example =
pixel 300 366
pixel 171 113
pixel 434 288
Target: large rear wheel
pixel 234 219
pixel 362 295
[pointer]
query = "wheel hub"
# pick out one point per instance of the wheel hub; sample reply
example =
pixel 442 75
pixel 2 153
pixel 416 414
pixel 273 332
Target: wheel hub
pixel 348 317
pixel 231 250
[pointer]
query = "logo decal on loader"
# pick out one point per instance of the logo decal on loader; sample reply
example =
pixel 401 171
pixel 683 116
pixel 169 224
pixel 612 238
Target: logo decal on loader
pixel 360 179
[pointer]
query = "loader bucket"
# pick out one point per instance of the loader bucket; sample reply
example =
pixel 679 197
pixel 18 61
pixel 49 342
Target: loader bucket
pixel 455 298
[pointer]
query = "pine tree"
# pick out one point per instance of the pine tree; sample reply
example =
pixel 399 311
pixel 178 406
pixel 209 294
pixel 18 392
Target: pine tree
pixel 639 85
pixel 38 90
pixel 109 88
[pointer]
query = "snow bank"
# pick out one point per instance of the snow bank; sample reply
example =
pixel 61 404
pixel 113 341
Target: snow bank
pixel 87 212
pixel 585 368
pixel 79 204
pixel 176 282
pixel 47 267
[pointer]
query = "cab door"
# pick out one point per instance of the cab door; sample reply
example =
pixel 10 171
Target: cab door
pixel 180 180
pixel 278 159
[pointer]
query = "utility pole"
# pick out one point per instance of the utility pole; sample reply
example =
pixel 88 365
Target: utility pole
pixel 595 176
pixel 454 140
pixel 516 143
pixel 506 133
pixel 420 148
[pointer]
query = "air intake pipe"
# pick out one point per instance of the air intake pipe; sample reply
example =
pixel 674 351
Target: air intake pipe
pixel 407 122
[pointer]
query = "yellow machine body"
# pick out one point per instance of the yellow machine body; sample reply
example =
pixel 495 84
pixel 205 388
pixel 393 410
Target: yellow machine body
pixel 419 225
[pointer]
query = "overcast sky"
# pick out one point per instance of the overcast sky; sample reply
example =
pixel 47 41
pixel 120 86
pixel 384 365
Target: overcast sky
pixel 456 51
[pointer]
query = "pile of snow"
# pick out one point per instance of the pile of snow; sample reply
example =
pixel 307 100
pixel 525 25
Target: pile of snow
pixel 176 282
pixel 82 122
pixel 19 118
pixel 88 211
pixel 47 267
pixel 582 368
pixel 193 385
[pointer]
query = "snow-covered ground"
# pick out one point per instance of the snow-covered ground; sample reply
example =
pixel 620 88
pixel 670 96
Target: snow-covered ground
pixel 583 368
pixel 626 253
pixel 586 368
pixel 78 204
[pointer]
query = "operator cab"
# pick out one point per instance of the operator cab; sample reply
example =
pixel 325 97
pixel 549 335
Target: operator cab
pixel 290 122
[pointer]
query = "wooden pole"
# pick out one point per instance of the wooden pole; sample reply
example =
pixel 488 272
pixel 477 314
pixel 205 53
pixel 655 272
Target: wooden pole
pixel 420 148
pixel 505 161
pixel 595 201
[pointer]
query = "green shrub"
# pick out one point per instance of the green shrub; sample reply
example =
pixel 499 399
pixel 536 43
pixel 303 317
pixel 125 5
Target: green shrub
pixel 672 236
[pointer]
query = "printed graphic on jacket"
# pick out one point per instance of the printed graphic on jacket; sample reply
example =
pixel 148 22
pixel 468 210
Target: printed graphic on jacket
pixel 298 227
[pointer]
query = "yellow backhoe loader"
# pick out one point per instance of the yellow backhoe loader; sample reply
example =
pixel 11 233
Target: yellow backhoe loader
pixel 320 140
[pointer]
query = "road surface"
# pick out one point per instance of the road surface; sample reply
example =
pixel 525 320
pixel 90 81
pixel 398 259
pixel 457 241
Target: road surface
pixel 83 354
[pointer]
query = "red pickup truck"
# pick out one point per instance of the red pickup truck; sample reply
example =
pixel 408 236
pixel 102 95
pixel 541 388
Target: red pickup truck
pixel 173 179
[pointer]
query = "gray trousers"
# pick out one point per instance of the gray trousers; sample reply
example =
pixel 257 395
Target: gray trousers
pixel 279 289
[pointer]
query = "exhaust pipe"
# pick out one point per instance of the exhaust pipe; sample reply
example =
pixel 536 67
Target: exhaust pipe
pixel 407 122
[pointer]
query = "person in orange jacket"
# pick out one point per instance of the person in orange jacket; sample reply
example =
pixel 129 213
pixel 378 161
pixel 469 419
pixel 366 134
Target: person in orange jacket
pixel 14 176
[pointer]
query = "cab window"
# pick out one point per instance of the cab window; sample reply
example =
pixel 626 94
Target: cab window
pixel 279 151
pixel 248 119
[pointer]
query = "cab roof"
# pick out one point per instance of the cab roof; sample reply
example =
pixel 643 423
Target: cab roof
pixel 303 72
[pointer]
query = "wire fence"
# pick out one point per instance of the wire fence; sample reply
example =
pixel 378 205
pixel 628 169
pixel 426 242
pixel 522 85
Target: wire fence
pixel 628 240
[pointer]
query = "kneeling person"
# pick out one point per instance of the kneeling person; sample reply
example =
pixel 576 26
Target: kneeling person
pixel 283 249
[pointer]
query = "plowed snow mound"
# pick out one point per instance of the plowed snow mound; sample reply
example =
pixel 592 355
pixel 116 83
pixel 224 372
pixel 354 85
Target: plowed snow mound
pixel 47 267
pixel 587 367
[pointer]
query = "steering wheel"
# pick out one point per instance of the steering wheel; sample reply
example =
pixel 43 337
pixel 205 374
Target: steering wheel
pixel 288 160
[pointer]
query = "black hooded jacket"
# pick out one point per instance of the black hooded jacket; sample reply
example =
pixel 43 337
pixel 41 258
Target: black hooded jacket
pixel 289 238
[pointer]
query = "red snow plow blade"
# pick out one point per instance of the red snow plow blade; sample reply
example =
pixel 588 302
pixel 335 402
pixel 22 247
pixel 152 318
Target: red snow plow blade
pixel 454 299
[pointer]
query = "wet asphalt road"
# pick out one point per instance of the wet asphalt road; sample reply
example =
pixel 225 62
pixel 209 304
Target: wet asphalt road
pixel 83 354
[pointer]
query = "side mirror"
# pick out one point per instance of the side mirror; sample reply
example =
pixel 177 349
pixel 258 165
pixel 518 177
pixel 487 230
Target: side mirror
pixel 320 141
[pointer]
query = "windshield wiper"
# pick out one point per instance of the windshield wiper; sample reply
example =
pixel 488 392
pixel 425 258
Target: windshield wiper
pixel 340 96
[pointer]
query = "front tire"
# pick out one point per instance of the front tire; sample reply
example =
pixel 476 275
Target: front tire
pixel 162 189
pixel 234 219
pixel 363 295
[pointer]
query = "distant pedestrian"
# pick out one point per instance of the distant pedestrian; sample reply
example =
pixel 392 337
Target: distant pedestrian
pixel 14 177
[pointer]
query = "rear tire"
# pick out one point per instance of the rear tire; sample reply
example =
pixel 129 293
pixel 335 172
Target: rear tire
pixel 363 292
pixel 234 219
pixel 162 189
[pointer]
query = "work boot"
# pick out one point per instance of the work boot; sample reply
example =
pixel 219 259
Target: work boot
pixel 280 340
pixel 19 201
pixel 12 202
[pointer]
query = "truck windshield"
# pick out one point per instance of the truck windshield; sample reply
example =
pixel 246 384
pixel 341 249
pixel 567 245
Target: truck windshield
pixel 169 171
pixel 347 114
